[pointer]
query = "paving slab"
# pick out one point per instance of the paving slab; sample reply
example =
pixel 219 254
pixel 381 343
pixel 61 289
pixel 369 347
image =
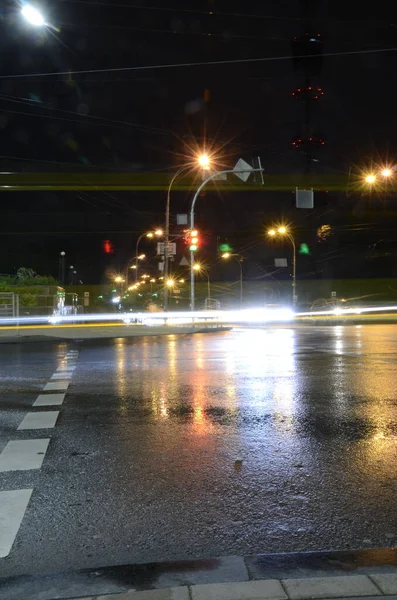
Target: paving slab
pixel 387 582
pixel 269 589
pixel 330 587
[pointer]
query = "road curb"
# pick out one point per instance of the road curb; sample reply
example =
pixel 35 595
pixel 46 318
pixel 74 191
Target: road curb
pixel 295 576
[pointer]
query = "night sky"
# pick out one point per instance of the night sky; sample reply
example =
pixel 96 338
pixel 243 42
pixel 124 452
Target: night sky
pixel 146 120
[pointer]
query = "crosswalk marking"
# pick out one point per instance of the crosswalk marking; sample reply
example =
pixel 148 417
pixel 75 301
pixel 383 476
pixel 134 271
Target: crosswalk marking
pixel 56 385
pixel 23 455
pixel 12 509
pixel 49 400
pixel 62 375
pixel 66 368
pixel 39 420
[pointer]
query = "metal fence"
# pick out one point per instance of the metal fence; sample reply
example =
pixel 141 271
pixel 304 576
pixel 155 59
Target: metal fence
pixel 9 305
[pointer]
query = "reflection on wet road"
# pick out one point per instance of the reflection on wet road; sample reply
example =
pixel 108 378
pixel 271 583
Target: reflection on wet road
pixel 142 462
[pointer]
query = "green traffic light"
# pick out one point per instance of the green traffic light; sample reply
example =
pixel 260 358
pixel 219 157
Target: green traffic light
pixel 304 249
pixel 193 248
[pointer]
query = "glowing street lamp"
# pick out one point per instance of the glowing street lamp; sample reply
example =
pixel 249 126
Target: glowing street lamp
pixel 202 161
pixel 118 279
pixel 370 178
pixel 283 231
pixel 32 15
pixel 386 172
pixel 170 283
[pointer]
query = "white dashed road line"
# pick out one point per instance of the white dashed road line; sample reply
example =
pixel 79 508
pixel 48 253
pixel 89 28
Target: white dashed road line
pixel 62 376
pixel 39 420
pixel 56 385
pixel 23 455
pixel 12 508
pixel 49 400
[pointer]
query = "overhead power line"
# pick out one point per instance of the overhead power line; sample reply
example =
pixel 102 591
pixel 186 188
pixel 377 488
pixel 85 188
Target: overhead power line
pixel 197 64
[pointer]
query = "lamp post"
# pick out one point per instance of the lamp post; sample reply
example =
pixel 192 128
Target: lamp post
pixel 200 269
pixel 237 171
pixel 203 161
pixel 284 231
pixel 239 259
pixel 150 235
pixel 62 268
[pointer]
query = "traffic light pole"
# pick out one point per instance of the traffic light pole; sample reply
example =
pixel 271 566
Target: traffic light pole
pixel 196 195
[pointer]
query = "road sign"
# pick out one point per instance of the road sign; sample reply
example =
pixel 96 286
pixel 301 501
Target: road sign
pixel 184 262
pixel 171 248
pixel 242 169
pixel 86 298
pixel 304 198
pixel 181 219
pixel 280 262
pixel 161 266
pixel 333 294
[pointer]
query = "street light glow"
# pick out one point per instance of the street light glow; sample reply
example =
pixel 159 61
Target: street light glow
pixel 204 161
pixel 226 255
pixel 118 279
pixel 370 178
pixel 386 172
pixel 141 257
pixel 197 267
pixel 158 232
pixel 282 230
pixel 32 15
pixel 170 282
pixel 271 232
pixel 150 234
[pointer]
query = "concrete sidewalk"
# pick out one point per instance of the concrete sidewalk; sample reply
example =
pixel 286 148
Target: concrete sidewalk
pixel 316 588
pixel 354 574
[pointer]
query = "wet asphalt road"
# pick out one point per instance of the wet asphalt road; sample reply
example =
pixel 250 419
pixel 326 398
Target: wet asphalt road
pixel 141 463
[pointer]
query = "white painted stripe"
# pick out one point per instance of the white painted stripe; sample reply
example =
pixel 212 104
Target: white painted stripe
pixel 66 368
pixel 39 420
pixel 56 385
pixel 23 455
pixel 12 509
pixel 49 400
pixel 61 376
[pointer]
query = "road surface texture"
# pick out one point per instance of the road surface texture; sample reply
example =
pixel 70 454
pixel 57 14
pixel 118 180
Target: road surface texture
pixel 180 447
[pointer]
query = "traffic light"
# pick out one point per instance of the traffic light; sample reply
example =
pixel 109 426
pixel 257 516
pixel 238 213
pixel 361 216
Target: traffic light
pixel 304 249
pixel 107 247
pixel 193 240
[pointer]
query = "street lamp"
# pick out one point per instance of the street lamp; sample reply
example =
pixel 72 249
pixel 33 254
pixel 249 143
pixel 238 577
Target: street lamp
pixel 32 16
pixel 243 171
pixel 282 230
pixel 239 259
pixel 370 178
pixel 150 235
pixel 203 161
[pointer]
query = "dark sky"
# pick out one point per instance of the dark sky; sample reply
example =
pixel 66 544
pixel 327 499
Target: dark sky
pixel 144 120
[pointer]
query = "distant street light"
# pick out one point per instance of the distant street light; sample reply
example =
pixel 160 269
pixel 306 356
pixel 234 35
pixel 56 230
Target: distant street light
pixel 149 234
pixel 239 259
pixel 202 161
pixel 33 16
pixel 170 283
pixel 282 230
pixel 370 178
